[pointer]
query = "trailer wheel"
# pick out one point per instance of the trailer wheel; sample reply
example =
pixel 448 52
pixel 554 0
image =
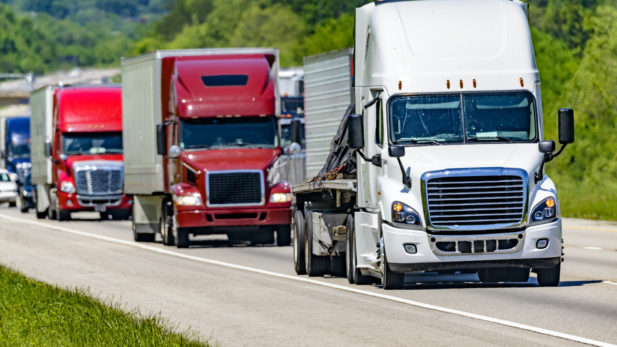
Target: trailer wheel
pixel 337 266
pixel 283 235
pixel 12 203
pixel 41 215
pixel 353 274
pixel 389 278
pixel 549 277
pixel 297 225
pixel 63 215
pixel 315 265
pixel 165 225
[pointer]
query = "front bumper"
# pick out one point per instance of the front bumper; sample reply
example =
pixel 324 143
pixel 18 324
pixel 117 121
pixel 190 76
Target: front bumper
pixel 428 258
pixel 74 202
pixel 209 220
pixel 8 196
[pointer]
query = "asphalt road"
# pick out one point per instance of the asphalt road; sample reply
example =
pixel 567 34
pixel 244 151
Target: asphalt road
pixel 235 294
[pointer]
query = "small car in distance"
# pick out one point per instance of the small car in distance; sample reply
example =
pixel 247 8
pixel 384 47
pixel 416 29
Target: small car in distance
pixel 8 188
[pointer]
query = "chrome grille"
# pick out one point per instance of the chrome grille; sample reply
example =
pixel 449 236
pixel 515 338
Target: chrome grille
pixel 456 201
pixel 102 178
pixel 239 188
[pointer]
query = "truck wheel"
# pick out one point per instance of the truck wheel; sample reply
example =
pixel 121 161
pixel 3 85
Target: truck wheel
pixel 261 237
pixel 315 265
pixel 337 266
pixel 549 277
pixel 41 215
pixel 63 215
pixel 12 203
pixel 182 238
pixel 283 235
pixel 389 278
pixel 297 224
pixel 24 207
pixel 165 228
pixel 353 273
pixel 141 237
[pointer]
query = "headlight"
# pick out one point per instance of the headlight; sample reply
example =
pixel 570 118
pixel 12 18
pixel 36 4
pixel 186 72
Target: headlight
pixel 280 197
pixel 188 200
pixel 67 187
pixel 544 211
pixel 402 213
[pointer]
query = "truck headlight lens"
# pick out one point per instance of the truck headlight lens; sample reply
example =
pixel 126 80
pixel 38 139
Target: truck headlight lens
pixel 280 198
pixel 188 200
pixel 67 187
pixel 544 211
pixel 402 213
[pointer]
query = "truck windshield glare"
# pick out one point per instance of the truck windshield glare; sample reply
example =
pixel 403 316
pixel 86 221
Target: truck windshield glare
pixel 488 117
pixel 92 143
pixel 217 133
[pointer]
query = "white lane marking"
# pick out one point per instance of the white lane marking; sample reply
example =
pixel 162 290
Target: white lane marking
pixel 320 283
pixel 572 227
pixel 609 282
pixel 594 248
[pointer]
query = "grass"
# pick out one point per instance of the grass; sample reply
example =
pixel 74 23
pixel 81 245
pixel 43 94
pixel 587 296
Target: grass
pixel 37 314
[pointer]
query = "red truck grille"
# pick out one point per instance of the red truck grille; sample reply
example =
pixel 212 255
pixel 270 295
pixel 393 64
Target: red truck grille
pixel 235 188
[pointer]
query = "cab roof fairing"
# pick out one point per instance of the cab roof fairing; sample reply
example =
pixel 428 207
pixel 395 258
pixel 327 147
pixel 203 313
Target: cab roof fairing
pixel 193 99
pixel 89 109
pixel 423 44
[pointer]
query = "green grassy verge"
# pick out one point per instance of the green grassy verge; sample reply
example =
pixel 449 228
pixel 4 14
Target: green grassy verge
pixel 37 314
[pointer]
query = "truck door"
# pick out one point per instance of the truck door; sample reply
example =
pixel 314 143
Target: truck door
pixel 370 173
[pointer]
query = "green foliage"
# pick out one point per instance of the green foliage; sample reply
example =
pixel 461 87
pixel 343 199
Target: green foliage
pixel 33 313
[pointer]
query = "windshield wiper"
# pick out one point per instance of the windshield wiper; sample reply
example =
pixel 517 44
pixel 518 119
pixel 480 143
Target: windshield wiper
pixel 489 139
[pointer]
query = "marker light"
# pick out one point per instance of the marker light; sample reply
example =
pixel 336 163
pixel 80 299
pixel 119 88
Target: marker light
pixel 397 207
pixel 411 248
pixel 402 213
pixel 542 243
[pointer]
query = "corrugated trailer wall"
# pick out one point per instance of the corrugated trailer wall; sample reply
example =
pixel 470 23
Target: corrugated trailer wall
pixel 141 104
pixel 41 105
pixel 327 94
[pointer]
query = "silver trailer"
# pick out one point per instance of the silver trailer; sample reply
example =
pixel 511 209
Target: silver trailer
pixel 41 105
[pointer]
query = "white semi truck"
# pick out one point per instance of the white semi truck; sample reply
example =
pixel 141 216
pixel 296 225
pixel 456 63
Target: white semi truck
pixel 438 162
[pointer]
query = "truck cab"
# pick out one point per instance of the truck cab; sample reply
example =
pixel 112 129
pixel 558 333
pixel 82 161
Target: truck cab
pixel 16 156
pixel 218 143
pixel 447 135
pixel 85 152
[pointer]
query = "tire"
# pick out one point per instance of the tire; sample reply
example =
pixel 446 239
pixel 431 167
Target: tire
pixel 315 265
pixel 165 226
pixel 24 208
pixel 283 235
pixel 41 215
pixel 354 275
pixel 63 215
pixel 297 224
pixel 12 203
pixel 389 278
pixel 142 237
pixel 182 238
pixel 549 277
pixel 104 215
pixel 120 214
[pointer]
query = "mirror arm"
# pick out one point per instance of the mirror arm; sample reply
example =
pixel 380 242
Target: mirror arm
pixel 553 155
pixel 547 157
pixel 406 179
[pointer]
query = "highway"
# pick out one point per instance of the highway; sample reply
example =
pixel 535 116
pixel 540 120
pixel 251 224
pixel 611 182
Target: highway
pixel 235 294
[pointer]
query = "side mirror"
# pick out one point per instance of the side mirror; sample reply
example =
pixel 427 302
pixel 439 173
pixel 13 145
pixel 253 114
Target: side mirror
pixel 63 156
pixel 174 152
pixel 566 126
pixel 161 139
pixel 355 131
pixel 47 149
pixel 546 146
pixel 396 151
pixel 295 131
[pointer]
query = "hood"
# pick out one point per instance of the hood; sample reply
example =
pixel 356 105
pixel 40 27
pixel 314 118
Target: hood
pixel 231 159
pixel 423 159
pixel 72 159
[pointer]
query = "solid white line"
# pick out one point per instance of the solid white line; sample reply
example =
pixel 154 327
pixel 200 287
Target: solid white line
pixel 594 248
pixel 609 282
pixel 320 283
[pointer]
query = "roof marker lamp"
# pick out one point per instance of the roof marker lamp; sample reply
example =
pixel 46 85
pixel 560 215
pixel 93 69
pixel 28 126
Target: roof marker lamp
pixel 402 213
pixel 544 212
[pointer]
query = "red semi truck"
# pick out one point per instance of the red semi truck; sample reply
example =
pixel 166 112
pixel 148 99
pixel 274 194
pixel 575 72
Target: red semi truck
pixel 202 145
pixel 77 152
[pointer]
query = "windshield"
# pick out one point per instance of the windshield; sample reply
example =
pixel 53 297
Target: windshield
pixel 92 143
pixel 4 177
pixel 291 104
pixel 437 119
pixel 216 133
pixel 286 135
pixel 19 151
